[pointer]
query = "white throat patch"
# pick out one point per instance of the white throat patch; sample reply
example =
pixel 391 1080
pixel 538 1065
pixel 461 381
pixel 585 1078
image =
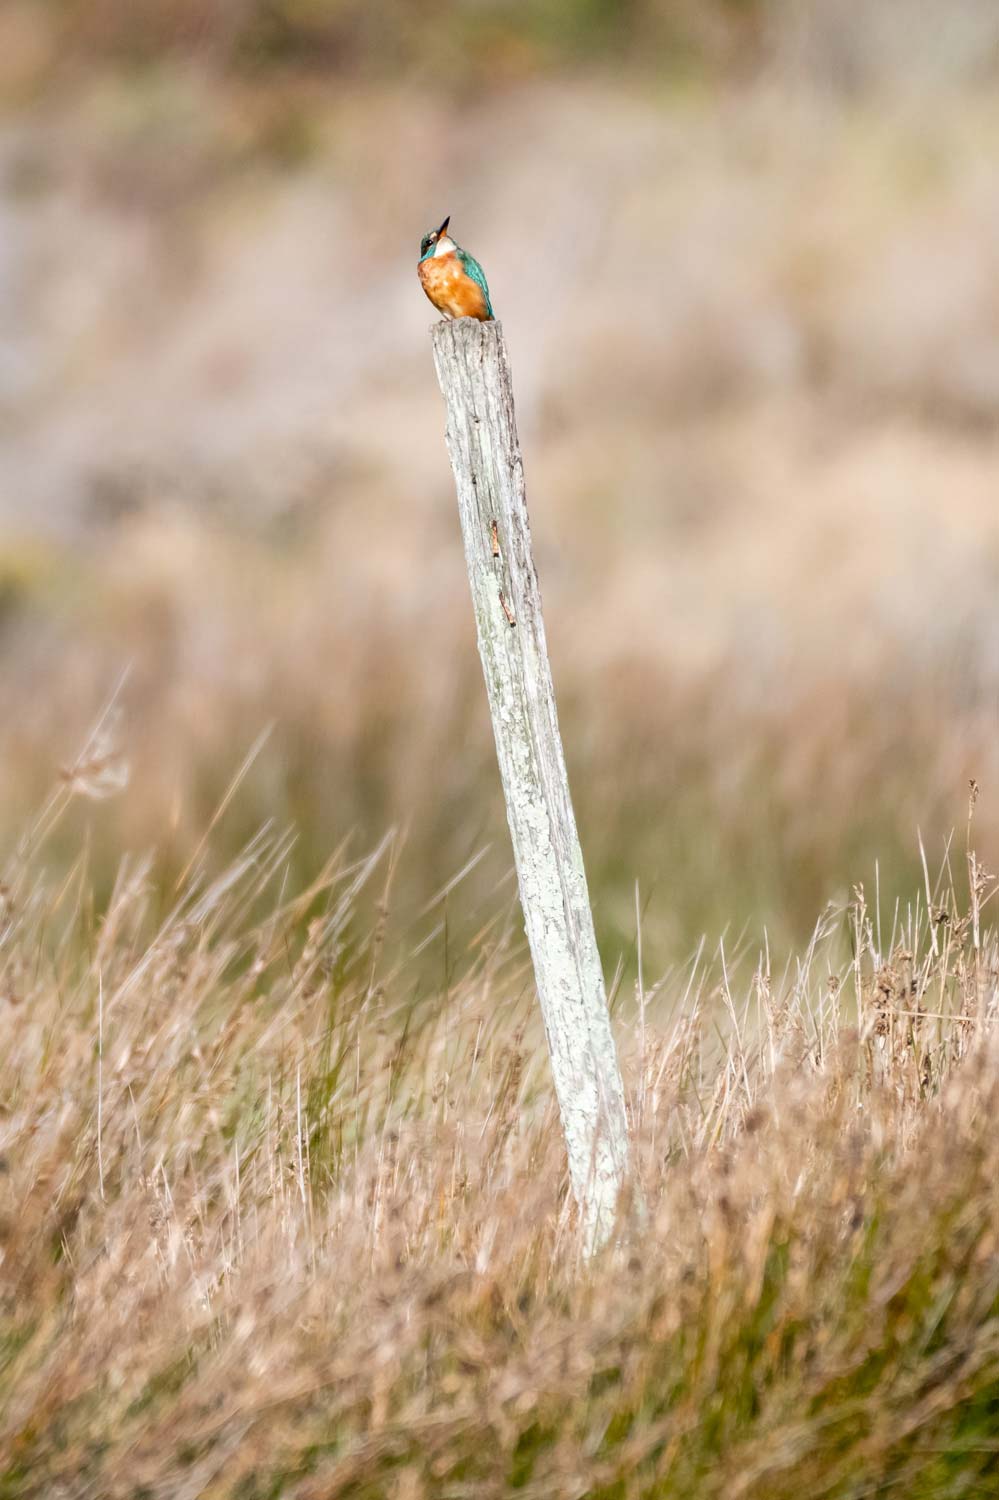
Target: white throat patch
pixel 445 245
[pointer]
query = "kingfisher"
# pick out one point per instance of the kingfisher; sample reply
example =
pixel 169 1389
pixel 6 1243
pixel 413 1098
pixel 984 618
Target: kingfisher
pixel 452 279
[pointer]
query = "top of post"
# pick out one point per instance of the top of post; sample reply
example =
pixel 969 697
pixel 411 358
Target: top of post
pixel 468 351
pixel 467 333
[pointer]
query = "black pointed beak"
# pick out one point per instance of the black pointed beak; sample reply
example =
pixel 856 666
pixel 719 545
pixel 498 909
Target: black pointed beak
pixel 444 226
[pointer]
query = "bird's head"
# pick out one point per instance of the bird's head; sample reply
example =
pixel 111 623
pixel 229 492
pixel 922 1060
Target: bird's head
pixel 430 241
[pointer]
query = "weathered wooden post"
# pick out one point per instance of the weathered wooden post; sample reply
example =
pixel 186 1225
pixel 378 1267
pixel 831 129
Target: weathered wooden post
pixel 474 376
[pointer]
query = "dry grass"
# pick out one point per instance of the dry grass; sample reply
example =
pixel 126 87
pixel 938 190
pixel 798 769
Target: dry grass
pixel 276 1223
pixel 283 1207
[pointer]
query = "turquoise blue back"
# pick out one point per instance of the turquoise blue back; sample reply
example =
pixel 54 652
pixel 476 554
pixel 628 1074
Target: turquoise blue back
pixel 475 271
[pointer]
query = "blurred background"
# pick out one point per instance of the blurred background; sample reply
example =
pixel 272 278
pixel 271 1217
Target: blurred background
pixel 746 255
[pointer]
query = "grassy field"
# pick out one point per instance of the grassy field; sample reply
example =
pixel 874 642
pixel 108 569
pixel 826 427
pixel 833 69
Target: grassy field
pixel 283 1204
pixel 275 1221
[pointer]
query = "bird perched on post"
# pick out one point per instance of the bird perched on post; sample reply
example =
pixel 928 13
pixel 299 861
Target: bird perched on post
pixel 452 279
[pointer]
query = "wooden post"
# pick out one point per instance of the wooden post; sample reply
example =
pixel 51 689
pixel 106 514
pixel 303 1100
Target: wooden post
pixel 474 376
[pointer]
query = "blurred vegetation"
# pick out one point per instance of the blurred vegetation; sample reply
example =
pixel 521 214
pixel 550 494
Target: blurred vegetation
pixel 431 37
pixel 767 545
pixel 738 816
pixel 461 43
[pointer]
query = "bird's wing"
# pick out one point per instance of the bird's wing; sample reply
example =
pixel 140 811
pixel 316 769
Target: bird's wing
pixel 475 271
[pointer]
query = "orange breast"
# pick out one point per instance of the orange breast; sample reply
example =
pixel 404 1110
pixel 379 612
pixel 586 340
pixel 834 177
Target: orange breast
pixel 450 290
